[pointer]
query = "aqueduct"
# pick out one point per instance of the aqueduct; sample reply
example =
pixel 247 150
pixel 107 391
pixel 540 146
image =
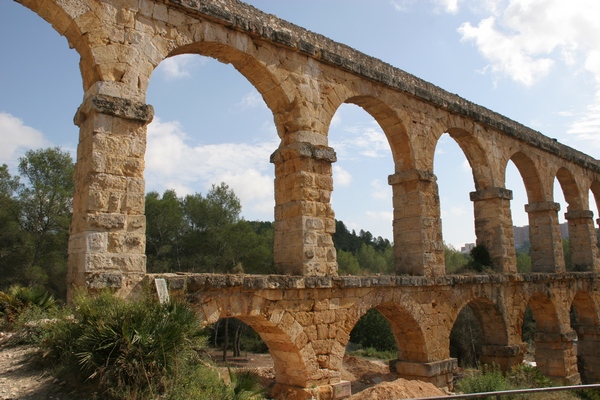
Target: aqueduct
pixel 305 314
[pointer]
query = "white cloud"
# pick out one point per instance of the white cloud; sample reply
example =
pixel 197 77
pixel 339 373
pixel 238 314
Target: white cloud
pixel 336 120
pixel 401 5
pixel 173 162
pixel 450 6
pixel 381 190
pixel 525 39
pixel 178 67
pixel 506 53
pixel 381 215
pixel 465 166
pixel 17 138
pixel 250 101
pixel 341 177
pixel 359 140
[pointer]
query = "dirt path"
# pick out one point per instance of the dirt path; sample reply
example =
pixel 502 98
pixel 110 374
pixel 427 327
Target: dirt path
pixel 21 379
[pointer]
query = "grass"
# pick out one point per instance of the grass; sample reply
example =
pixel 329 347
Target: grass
pixel 371 352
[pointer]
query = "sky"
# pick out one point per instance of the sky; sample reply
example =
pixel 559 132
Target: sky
pixel 534 61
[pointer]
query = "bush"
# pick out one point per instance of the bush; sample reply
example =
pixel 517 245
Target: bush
pixel 131 349
pixel 488 379
pixel 25 311
pixel 526 376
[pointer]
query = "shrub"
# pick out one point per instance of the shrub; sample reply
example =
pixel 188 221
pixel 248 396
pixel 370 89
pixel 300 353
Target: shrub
pixel 131 349
pixel 481 259
pixel 25 311
pixel 525 376
pixel 488 379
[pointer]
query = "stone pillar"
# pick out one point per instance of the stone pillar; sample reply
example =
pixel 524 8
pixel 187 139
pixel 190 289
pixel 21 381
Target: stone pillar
pixel 418 244
pixel 108 232
pixel 505 357
pixel 588 353
pixel 582 239
pixel 440 373
pixel 494 227
pixel 545 238
pixel 304 219
pixel 556 356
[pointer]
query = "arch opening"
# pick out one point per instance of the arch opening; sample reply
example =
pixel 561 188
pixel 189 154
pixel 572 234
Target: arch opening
pixel 207 164
pixel 362 199
pixel 455 182
pixel 250 340
pixel 515 183
pixel 479 330
pixel 34 249
pixel 584 320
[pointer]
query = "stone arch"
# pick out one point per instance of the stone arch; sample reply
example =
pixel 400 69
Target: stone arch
pixel 490 318
pixel 250 67
pixel 585 324
pixel 476 156
pixel 554 352
pixel 497 347
pixel 69 20
pixel 392 127
pixel 403 316
pixel 530 175
pixel 595 188
pixel 582 235
pixel 285 345
pixel 544 232
pixel 544 312
pixel 570 189
pixel 586 309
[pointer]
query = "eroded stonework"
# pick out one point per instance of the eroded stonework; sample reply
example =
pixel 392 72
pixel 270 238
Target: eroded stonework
pixel 303 78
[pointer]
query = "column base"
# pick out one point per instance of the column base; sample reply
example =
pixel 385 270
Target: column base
pixel 337 391
pixel 505 357
pixel 439 373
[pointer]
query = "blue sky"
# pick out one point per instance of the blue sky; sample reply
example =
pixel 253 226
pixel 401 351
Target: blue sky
pixel 537 62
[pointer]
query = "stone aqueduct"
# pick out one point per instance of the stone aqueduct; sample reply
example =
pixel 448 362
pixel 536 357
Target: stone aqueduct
pixel 305 314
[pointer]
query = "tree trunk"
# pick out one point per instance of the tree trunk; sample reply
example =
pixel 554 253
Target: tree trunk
pixel 237 340
pixel 225 339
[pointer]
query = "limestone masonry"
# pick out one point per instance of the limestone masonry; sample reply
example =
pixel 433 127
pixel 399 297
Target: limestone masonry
pixel 306 313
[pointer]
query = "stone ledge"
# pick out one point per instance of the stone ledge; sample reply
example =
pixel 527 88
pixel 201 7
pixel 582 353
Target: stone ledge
pixel 426 369
pixel 491 193
pixel 116 107
pixel 204 281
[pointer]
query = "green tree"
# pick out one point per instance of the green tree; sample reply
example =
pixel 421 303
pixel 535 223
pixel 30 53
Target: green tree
pixel 45 201
pixel 371 260
pixel 211 243
pixel 13 244
pixel 165 227
pixel 347 263
pixel 373 330
pixel 523 262
pixel 455 260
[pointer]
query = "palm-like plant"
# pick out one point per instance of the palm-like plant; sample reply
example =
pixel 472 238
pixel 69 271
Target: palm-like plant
pixel 245 384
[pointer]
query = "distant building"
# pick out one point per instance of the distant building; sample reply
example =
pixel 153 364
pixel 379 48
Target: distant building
pixel 466 249
pixel 521 234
